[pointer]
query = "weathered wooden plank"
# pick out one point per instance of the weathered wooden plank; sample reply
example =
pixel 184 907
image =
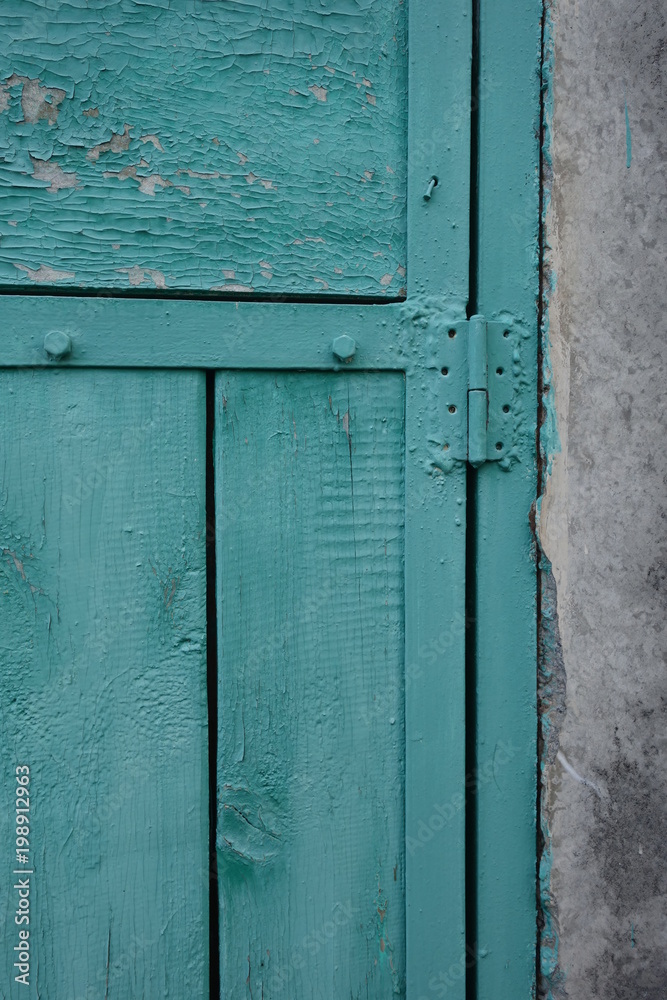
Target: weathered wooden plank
pixel 229 145
pixel 309 489
pixel 103 680
pixel 435 537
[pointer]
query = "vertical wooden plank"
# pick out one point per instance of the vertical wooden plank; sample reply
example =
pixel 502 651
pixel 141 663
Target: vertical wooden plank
pixel 103 680
pixel 439 53
pixel 434 704
pixel 309 490
pixel 506 581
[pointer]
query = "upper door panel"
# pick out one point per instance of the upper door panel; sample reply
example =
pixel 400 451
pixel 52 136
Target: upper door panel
pixel 237 146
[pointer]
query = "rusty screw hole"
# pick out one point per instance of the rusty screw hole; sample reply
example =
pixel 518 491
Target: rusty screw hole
pixel 451 333
pixel 506 408
pixel 506 333
pixel 499 446
pixel 445 371
pixel 452 409
pixel 499 371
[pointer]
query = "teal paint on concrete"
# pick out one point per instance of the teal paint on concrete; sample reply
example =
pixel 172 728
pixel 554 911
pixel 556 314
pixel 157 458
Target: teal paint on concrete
pixel 103 681
pixel 506 583
pixel 311 770
pixel 551 693
pixel 551 670
pixel 222 146
pixel 549 443
pixel 628 138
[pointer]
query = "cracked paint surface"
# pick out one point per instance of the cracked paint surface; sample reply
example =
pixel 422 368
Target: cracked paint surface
pixel 203 139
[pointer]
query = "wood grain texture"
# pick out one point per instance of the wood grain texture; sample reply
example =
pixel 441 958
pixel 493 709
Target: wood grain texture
pixel 103 680
pixel 228 145
pixel 310 510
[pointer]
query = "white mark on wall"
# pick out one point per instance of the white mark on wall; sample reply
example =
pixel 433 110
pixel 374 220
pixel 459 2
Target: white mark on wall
pixel 575 774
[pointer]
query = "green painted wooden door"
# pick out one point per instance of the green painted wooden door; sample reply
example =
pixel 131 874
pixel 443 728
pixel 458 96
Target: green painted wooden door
pixel 103 683
pixel 237 552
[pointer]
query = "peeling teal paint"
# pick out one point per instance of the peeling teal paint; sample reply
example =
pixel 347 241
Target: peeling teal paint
pixel 224 147
pixel 551 705
pixel 551 675
pixel 549 438
pixel 628 138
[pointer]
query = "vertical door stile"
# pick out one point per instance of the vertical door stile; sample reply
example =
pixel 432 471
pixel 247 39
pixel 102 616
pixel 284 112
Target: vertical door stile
pixel 506 578
pixel 435 507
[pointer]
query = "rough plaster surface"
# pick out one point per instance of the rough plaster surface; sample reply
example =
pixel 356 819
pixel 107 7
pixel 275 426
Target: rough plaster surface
pixel 603 516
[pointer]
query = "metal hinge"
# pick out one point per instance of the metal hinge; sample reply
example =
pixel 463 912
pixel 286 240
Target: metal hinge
pixel 480 390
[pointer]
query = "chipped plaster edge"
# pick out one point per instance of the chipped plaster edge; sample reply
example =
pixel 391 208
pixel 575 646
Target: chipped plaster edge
pixel 551 530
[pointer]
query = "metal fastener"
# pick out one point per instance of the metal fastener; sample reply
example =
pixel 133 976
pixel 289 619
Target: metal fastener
pixel 57 345
pixel 433 182
pixel 344 347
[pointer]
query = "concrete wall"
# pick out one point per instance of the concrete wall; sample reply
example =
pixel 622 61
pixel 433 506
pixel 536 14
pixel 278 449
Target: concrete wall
pixel 602 522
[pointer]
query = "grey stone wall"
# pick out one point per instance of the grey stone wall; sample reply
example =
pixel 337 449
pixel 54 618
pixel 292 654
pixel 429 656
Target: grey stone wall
pixel 602 522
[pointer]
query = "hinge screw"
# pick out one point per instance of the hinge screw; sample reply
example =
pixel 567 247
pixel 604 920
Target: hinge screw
pixel 57 345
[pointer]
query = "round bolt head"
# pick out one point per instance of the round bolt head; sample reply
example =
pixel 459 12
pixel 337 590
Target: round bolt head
pixel 344 347
pixel 57 345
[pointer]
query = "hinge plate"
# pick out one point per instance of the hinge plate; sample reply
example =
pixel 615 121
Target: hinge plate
pixel 480 390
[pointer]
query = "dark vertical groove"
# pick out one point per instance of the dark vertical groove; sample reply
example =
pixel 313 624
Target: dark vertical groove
pixel 471 867
pixel 212 691
pixel 471 873
pixel 543 278
pixel 474 163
